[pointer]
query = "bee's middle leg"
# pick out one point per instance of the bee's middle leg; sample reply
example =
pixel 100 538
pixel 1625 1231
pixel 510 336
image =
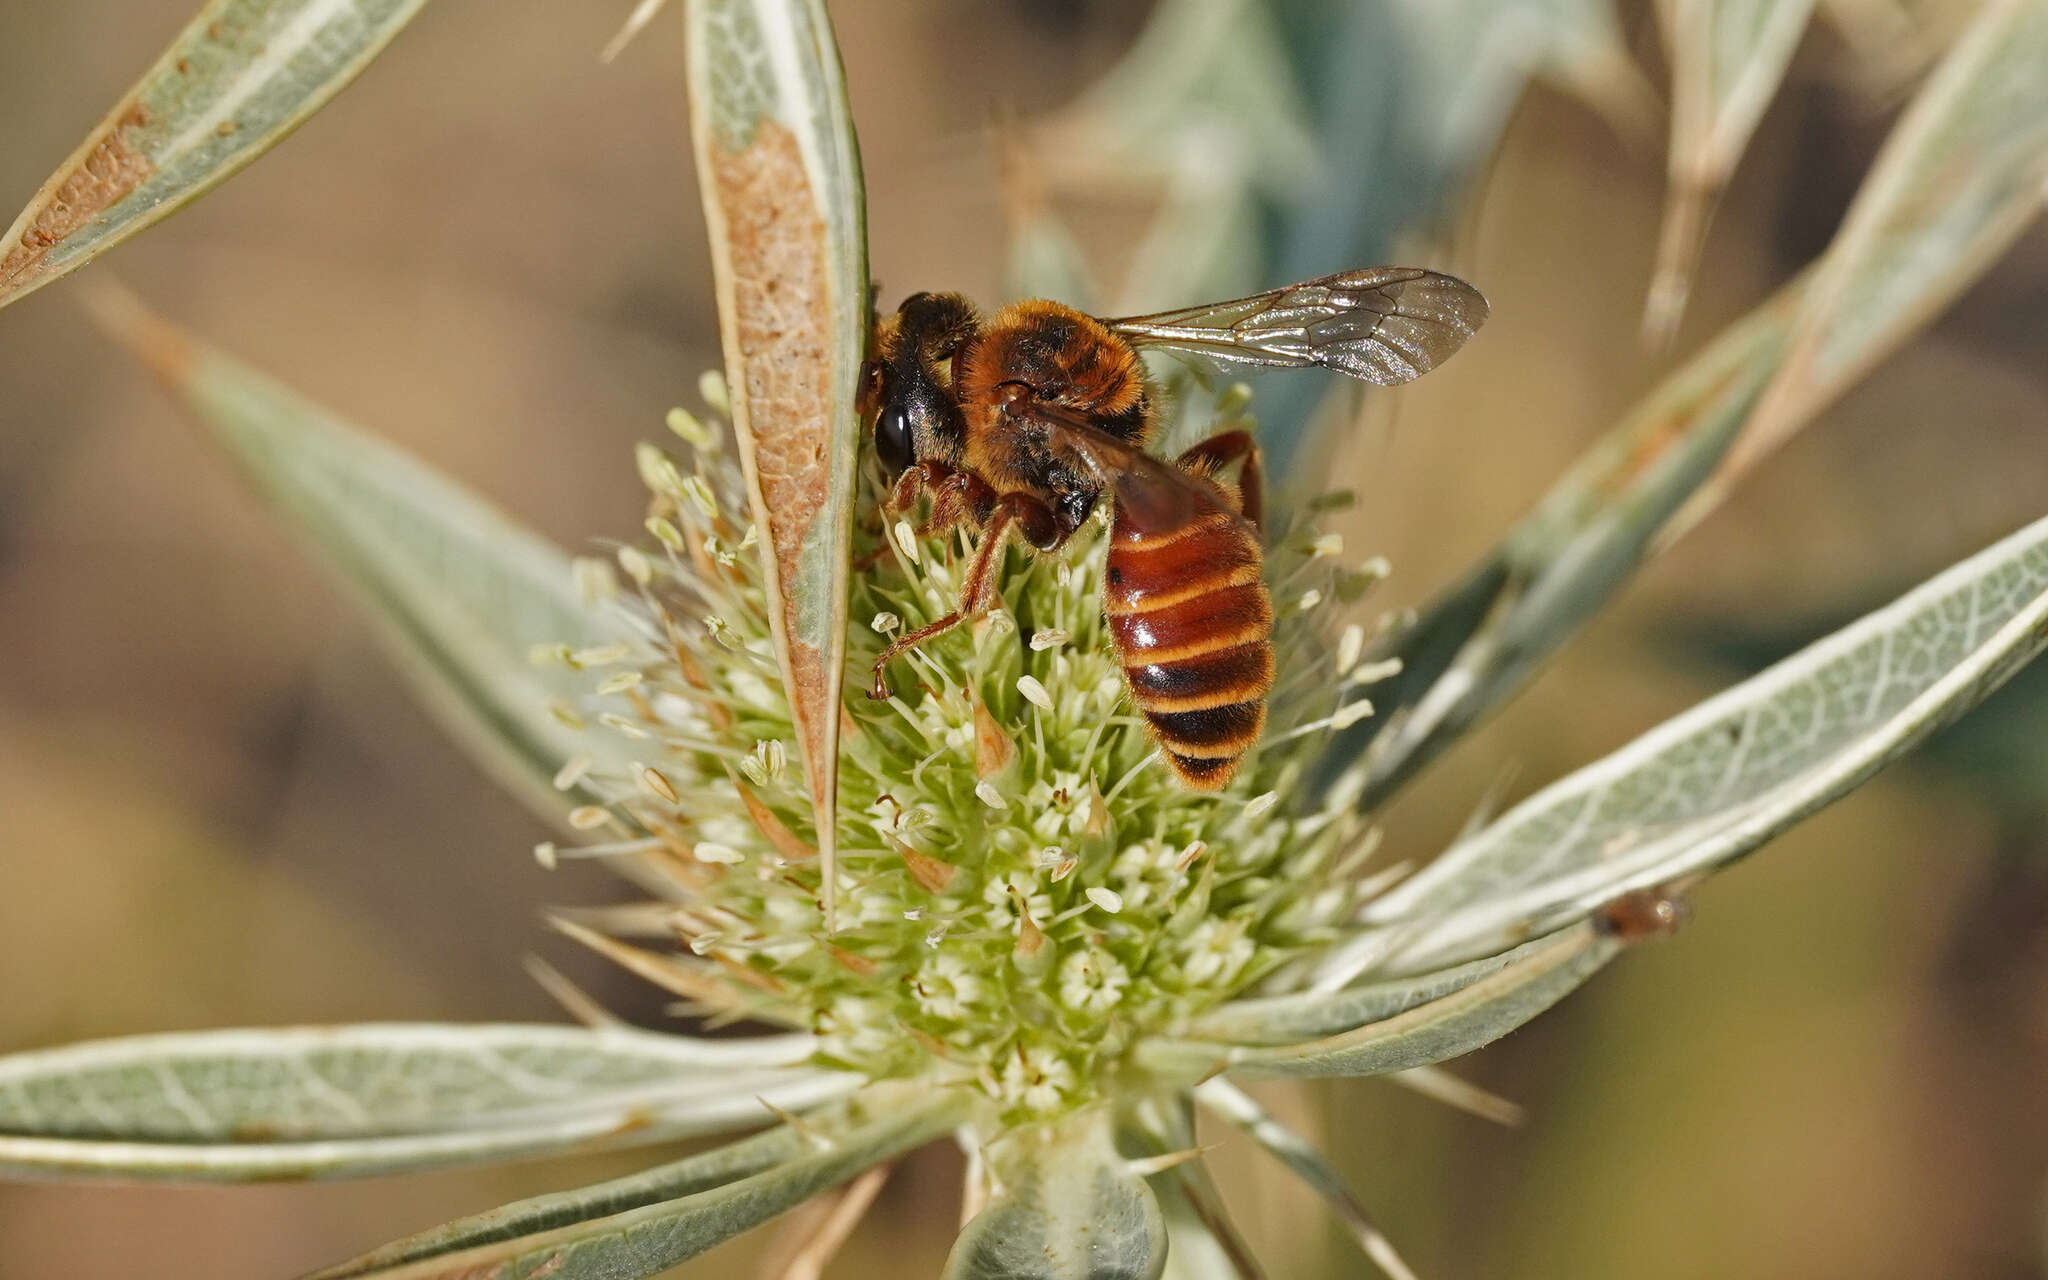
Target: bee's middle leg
pixel 1028 516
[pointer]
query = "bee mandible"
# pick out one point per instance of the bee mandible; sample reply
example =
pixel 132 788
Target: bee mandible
pixel 1020 424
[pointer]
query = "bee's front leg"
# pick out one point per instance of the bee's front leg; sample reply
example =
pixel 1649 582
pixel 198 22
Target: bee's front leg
pixel 915 480
pixel 1023 512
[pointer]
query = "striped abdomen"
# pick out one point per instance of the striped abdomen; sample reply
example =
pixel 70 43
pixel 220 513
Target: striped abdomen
pixel 1193 627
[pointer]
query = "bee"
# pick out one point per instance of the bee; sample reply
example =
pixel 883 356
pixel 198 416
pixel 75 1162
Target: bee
pixel 1021 424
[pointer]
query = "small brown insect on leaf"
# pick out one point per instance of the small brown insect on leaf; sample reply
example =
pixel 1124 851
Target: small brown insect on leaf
pixel 1643 914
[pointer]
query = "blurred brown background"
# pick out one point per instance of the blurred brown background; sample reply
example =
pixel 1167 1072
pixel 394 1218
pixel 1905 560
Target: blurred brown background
pixel 218 807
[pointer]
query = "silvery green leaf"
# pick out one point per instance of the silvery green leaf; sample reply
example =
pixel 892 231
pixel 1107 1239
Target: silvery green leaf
pixel 1480 640
pixel 718 1167
pixel 238 78
pixel 1067 1207
pixel 1727 59
pixel 1962 174
pixel 461 595
pixel 1311 1015
pixel 649 1239
pixel 327 1102
pixel 1718 781
pixel 1472 1016
pixel 779 170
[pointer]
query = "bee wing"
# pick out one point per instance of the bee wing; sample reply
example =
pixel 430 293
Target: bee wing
pixel 1386 325
pixel 1153 494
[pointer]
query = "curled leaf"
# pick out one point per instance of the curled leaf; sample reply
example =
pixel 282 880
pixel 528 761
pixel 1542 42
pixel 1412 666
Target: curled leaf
pixel 780 174
pixel 1311 1015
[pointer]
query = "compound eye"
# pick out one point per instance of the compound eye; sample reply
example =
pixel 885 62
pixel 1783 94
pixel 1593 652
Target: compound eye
pixel 892 439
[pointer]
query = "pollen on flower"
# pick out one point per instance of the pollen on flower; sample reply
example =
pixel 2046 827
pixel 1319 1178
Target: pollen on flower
pixel 1025 890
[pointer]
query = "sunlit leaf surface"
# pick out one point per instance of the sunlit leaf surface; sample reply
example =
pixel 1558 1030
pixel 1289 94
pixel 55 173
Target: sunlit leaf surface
pixel 1726 776
pixel 350 1101
pixel 780 174
pixel 241 75
pixel 461 594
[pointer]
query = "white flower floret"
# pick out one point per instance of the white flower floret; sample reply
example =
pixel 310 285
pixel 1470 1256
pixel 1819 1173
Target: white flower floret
pixel 1037 1079
pixel 949 988
pixel 1006 894
pixel 1215 951
pixel 857 1027
pixel 1092 980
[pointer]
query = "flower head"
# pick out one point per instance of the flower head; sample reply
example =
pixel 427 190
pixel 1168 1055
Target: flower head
pixel 1025 891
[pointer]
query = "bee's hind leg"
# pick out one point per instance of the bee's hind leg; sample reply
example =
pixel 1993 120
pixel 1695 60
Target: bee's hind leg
pixel 1221 451
pixel 1030 517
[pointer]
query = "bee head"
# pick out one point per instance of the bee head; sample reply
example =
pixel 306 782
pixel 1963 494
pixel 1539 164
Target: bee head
pixel 908 382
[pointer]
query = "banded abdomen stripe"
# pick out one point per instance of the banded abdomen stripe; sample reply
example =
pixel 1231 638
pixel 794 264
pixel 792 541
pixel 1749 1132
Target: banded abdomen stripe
pixel 1193 627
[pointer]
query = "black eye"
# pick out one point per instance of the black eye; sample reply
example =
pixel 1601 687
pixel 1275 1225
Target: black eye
pixel 892 439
